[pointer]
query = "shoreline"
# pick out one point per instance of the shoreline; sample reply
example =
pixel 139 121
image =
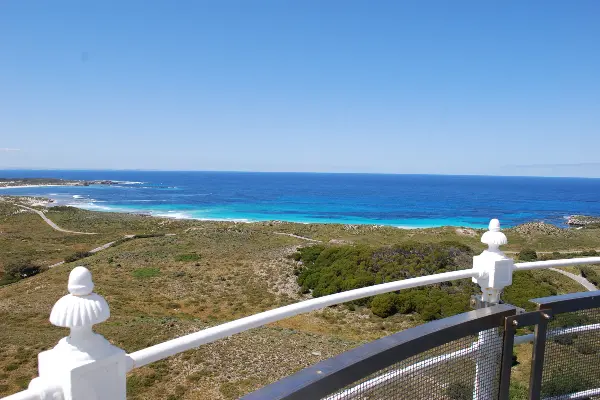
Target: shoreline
pixel 36 186
pixel 199 214
pixel 176 215
pixel 49 203
pixel 18 183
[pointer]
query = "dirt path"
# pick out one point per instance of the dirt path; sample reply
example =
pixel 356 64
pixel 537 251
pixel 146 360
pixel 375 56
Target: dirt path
pixel 298 237
pixel 97 249
pixel 52 224
pixel 577 278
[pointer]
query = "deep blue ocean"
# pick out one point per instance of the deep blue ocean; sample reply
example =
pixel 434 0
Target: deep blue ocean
pixel 399 200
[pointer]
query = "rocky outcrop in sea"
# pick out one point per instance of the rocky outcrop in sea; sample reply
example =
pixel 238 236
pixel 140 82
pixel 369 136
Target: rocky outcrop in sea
pixel 582 220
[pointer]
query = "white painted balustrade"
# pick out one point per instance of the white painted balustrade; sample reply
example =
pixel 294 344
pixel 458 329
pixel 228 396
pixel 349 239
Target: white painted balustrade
pixel 85 366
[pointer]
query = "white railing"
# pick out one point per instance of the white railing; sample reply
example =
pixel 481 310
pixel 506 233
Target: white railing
pixel 84 353
pixel 183 343
pixel 556 263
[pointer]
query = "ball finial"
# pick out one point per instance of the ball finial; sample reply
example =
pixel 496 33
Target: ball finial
pixel 82 307
pixel 493 237
pixel 80 282
pixel 494 225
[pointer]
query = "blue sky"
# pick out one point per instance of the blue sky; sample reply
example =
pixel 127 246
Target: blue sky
pixel 455 87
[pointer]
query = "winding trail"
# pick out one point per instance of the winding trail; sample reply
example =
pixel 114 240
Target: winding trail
pixel 97 249
pixel 298 237
pixel 52 224
pixel 577 278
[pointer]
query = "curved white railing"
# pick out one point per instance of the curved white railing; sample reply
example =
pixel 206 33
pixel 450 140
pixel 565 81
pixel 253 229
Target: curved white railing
pixel 24 395
pixel 187 342
pixel 568 262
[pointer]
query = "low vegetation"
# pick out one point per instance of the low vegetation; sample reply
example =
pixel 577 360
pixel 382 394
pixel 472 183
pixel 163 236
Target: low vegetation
pixel 176 276
pixel 77 256
pixel 527 255
pixel 326 270
pixel 187 257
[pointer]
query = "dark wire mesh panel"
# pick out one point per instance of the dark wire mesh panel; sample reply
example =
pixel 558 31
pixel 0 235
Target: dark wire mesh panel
pixel 572 355
pixel 454 371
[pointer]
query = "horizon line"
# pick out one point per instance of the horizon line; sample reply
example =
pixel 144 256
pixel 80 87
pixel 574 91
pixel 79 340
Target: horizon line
pixel 293 172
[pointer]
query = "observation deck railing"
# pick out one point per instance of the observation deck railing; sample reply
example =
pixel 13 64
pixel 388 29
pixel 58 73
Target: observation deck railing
pixel 465 356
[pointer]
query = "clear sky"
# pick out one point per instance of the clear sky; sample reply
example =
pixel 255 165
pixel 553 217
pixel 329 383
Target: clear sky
pixel 461 87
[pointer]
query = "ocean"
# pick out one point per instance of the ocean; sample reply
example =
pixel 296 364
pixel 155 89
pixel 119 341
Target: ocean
pixel 408 201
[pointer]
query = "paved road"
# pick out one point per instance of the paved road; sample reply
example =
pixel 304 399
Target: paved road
pixel 52 224
pixel 577 278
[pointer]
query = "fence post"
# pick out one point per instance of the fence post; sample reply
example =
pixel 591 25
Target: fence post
pixel 83 365
pixel 494 274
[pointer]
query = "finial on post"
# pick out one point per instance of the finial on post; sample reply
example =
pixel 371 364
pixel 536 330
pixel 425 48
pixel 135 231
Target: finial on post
pixel 84 364
pixel 493 237
pixel 81 308
pixel 493 267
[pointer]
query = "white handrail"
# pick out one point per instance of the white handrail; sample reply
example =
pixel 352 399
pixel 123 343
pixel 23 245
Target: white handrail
pixel 24 395
pixel 411 369
pixel 558 332
pixel 572 330
pixel 584 394
pixel 187 342
pixel 556 263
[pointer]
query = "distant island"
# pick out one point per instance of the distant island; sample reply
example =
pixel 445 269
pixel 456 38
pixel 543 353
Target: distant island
pixel 28 182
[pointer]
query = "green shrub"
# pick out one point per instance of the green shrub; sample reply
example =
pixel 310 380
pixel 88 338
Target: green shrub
pixel 518 390
pixel 562 384
pixel 591 274
pixel 525 287
pixel 384 305
pixel 332 269
pixel 187 257
pixel 11 367
pixel 63 208
pixel 146 272
pixel 459 391
pixel 528 255
pixel 148 235
pixel 15 271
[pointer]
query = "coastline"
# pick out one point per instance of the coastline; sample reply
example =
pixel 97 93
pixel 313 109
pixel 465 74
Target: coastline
pixel 48 202
pixel 400 202
pixel 36 186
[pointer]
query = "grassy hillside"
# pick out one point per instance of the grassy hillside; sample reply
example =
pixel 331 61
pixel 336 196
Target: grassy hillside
pixel 205 273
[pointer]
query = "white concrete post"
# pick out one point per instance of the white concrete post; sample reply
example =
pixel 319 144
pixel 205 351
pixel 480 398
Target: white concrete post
pixel 494 269
pixel 494 274
pixel 84 365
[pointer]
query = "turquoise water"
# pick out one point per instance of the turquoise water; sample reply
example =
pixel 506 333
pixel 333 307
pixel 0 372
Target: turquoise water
pixel 399 200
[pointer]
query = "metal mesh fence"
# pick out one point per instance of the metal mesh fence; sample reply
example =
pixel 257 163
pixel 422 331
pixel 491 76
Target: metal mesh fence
pixel 457 370
pixel 572 355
